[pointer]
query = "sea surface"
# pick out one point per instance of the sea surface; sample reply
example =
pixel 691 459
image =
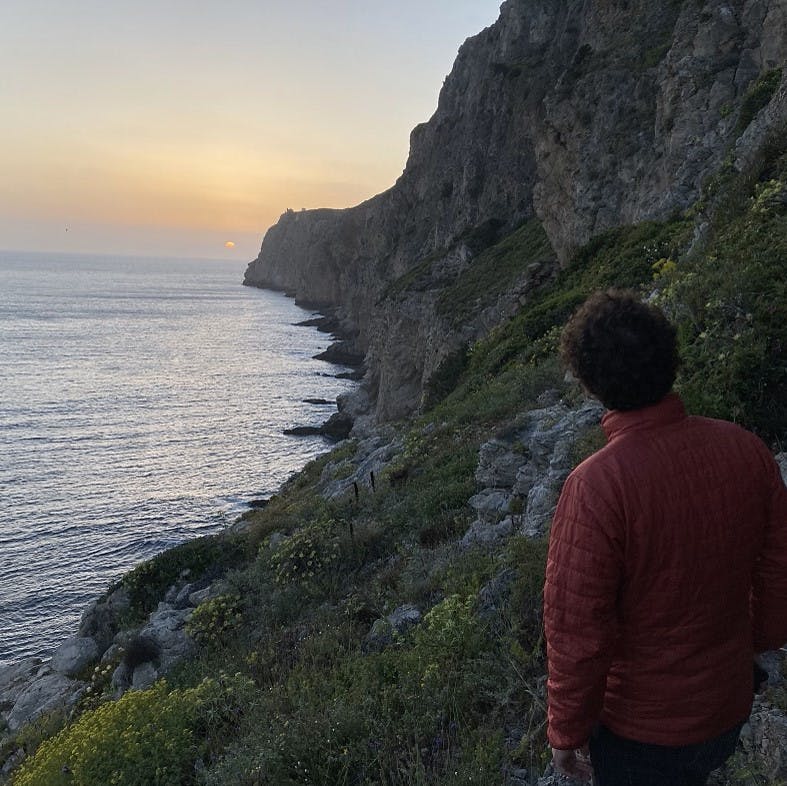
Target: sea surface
pixel 142 403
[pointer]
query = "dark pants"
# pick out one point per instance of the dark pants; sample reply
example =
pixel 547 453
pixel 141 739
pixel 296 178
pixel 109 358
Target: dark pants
pixel 621 762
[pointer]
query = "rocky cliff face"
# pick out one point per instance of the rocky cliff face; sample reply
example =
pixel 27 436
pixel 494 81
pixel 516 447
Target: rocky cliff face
pixel 586 114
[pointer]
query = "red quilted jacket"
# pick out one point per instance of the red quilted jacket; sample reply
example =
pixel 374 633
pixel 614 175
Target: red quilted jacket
pixel 667 570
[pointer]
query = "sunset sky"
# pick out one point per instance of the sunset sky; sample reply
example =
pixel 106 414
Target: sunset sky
pixel 170 127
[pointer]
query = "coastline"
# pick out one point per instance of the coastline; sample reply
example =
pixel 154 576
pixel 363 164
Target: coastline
pixel 56 676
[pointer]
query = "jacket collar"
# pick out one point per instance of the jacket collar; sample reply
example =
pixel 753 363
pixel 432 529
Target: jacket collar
pixel 669 410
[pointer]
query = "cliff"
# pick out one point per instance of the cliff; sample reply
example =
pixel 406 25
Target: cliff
pixel 585 115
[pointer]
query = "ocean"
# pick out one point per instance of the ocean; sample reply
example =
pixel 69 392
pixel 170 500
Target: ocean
pixel 142 403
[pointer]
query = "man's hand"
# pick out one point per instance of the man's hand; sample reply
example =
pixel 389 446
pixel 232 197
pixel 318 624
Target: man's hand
pixel 575 763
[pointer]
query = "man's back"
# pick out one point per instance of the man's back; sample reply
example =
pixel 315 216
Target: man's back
pixel 682 504
pixel 667 566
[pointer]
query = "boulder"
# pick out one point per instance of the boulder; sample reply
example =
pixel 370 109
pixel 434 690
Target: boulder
pixel 371 456
pixel 483 532
pixel 498 464
pixel 524 470
pixel 182 599
pixel 303 431
pixel 166 627
pixel 100 619
pixel 337 427
pixel 399 621
pixel 404 617
pixel 16 677
pixel 74 655
pixel 490 504
pixel 121 679
pixel 144 676
pixel 47 693
pixel 342 353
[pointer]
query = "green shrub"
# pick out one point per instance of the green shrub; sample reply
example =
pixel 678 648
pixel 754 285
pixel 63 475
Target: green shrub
pixel 212 555
pixel 591 441
pixel 730 305
pixel 146 737
pixel 214 620
pixel 445 377
pixel 493 271
pixel 306 553
pixel 758 96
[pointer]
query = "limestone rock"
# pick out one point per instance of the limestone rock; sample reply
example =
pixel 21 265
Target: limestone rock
pixel 303 431
pixel 553 779
pixel 183 597
pixel 404 617
pixel 527 468
pixel 44 694
pixel 498 465
pixel 112 653
pixel 767 739
pixel 15 677
pixel 399 621
pixel 100 619
pixel 337 427
pixel 213 590
pixel 121 679
pixel 371 456
pixel 492 594
pixel 12 762
pixel 74 655
pixel 781 460
pixel 343 353
pixel 481 532
pixel 144 676
pixel 490 504
pixel 166 627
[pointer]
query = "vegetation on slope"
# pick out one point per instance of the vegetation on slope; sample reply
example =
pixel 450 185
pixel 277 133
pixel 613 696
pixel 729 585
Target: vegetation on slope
pixel 324 692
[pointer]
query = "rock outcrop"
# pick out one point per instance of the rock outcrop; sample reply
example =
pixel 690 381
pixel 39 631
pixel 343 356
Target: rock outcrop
pixel 134 658
pixel 586 115
pixel 520 473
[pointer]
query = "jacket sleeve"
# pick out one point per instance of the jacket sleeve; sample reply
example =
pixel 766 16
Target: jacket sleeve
pixel 769 580
pixel 584 572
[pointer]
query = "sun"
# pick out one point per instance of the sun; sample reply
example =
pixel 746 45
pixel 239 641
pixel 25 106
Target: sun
pixel 229 244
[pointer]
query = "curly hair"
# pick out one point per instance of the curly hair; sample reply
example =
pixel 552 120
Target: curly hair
pixel 622 350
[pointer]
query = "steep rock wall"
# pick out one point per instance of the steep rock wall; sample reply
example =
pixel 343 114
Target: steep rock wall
pixel 585 113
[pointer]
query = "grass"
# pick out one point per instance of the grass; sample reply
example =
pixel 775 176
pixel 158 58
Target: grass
pixel 494 271
pixel 758 96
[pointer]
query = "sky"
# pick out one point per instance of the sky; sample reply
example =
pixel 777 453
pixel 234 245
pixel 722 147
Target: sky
pixel 179 127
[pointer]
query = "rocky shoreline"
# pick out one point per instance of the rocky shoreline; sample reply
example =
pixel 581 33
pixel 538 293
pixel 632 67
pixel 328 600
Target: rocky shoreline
pixel 134 658
pixel 345 351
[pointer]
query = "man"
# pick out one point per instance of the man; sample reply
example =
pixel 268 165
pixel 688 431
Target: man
pixel 667 567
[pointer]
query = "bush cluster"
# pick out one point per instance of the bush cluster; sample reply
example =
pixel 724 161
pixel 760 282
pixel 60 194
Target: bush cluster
pixel 214 620
pixel 156 736
pixel 212 555
pixel 306 553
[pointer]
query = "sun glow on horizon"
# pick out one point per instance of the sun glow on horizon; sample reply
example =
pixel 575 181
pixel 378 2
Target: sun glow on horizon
pixel 115 122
